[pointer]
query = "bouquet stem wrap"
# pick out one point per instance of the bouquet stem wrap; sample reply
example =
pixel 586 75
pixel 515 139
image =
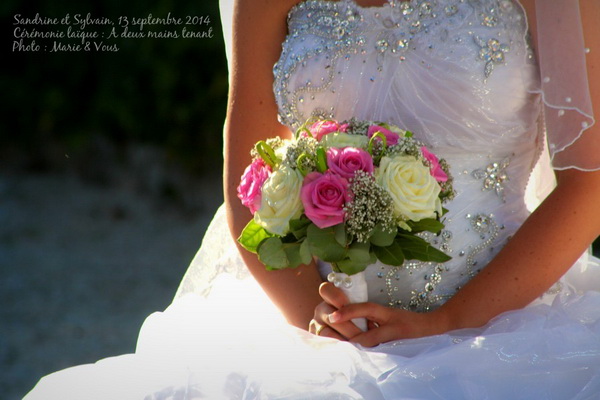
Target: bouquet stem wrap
pixel 355 289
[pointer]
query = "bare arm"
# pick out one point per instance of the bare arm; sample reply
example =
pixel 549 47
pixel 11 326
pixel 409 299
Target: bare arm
pixel 259 28
pixel 553 237
pixel 540 252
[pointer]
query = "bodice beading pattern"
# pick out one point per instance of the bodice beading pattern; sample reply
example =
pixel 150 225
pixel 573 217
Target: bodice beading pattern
pixel 457 73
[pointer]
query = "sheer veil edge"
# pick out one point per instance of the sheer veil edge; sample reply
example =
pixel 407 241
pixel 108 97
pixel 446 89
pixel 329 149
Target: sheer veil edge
pixel 568 113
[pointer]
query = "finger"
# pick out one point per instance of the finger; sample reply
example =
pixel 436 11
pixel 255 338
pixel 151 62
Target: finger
pixel 371 311
pixel 323 330
pixel 346 329
pixel 313 326
pixel 372 325
pixel 373 337
pixel 329 332
pixel 322 310
pixel 333 295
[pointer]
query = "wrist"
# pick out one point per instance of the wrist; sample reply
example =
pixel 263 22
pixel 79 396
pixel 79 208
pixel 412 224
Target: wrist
pixel 445 320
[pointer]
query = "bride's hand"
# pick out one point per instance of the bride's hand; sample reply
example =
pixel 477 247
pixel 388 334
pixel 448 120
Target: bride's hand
pixel 334 299
pixel 387 324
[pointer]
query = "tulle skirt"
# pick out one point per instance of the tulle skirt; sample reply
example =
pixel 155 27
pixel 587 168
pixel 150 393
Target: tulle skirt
pixel 224 340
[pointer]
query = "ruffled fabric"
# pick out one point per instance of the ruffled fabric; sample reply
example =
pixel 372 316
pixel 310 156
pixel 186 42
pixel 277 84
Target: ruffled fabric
pixel 234 345
pixel 226 340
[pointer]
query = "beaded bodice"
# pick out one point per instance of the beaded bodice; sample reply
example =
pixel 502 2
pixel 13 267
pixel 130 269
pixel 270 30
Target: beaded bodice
pixel 457 73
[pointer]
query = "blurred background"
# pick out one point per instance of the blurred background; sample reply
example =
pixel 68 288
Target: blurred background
pixel 110 170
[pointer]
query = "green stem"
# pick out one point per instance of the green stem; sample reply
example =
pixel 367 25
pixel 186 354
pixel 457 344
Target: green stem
pixel 372 143
pixel 335 268
pixel 303 128
pixel 299 161
pixel 267 153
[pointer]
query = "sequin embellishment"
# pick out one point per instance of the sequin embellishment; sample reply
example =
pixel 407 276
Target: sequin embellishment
pixel 426 298
pixel 492 52
pixel 336 26
pixel 488 231
pixel 401 25
pixel 494 176
pixel 330 37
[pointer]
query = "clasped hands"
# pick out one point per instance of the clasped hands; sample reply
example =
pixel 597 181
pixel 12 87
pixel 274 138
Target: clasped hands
pixel 332 318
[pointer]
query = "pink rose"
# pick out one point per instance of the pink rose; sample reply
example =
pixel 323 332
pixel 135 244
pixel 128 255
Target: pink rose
pixel 436 170
pixel 250 188
pixel 322 128
pixel 324 197
pixel 345 162
pixel 391 137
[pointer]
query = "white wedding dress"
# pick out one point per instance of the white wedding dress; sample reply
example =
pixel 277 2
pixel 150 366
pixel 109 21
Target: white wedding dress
pixel 461 76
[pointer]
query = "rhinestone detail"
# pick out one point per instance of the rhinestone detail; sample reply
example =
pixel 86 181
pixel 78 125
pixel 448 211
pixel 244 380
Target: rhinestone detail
pixel 337 27
pixel 494 176
pixel 488 231
pixel 330 33
pixel 491 52
pixel 426 298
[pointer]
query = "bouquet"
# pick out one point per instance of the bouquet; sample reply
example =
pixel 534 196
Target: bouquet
pixel 349 193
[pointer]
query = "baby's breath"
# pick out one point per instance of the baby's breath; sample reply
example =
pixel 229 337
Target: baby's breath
pixel 303 145
pixel 448 191
pixel 357 127
pixel 275 143
pixel 408 146
pixel 371 205
pixel 378 151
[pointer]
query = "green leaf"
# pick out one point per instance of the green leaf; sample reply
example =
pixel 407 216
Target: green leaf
pixel 292 251
pixel 321 160
pixel 305 254
pixel 351 267
pixel 390 255
pixel 272 254
pixel 427 224
pixel 416 248
pixel 298 226
pixel 340 234
pixel 381 238
pixel 360 253
pixel 323 244
pixel 252 235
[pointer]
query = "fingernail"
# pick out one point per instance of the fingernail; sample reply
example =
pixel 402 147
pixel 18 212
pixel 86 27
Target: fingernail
pixel 333 317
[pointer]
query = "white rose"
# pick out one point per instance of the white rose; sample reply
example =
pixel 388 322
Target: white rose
pixel 396 129
pixel 280 200
pixel 341 140
pixel 413 190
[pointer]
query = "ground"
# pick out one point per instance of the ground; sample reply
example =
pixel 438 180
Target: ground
pixel 83 262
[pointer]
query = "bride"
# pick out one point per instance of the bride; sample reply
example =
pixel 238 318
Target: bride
pixel 515 312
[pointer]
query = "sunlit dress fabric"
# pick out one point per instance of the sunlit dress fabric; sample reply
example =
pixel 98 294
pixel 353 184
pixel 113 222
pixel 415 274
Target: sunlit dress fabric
pixel 461 75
